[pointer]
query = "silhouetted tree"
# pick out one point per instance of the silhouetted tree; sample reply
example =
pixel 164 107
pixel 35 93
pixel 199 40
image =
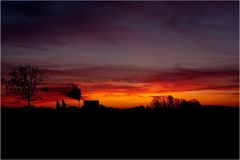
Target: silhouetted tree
pixel 155 102
pixel 194 103
pixel 183 104
pixel 23 82
pixel 169 101
pixel 176 102
pixel 158 102
pixel 163 103
pixel 74 92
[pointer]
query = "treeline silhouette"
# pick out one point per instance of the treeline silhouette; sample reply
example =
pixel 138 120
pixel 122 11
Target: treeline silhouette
pixel 158 103
pixel 169 101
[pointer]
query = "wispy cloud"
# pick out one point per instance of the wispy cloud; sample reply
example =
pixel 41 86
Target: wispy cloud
pixel 125 48
pixel 140 79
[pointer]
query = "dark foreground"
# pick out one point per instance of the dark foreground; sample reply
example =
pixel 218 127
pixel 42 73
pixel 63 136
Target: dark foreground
pixel 203 133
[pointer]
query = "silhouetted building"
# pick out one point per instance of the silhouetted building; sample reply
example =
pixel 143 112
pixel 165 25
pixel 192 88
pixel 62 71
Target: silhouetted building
pixel 91 104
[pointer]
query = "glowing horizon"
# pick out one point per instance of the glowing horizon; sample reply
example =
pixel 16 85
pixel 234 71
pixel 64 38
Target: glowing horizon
pixel 127 99
pixel 122 53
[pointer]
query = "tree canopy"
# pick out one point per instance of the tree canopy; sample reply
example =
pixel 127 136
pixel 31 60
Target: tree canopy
pixel 23 82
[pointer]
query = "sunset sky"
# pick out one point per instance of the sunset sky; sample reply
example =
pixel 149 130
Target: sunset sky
pixel 123 53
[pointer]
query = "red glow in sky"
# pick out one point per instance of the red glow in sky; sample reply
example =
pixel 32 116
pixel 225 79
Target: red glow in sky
pixel 123 53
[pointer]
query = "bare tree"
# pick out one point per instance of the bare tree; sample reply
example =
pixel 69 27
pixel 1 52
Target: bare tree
pixel 170 101
pixel 158 102
pixel 23 82
pixel 163 103
pixel 155 103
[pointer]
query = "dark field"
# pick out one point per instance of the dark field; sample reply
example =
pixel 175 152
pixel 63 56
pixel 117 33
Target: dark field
pixel 209 132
